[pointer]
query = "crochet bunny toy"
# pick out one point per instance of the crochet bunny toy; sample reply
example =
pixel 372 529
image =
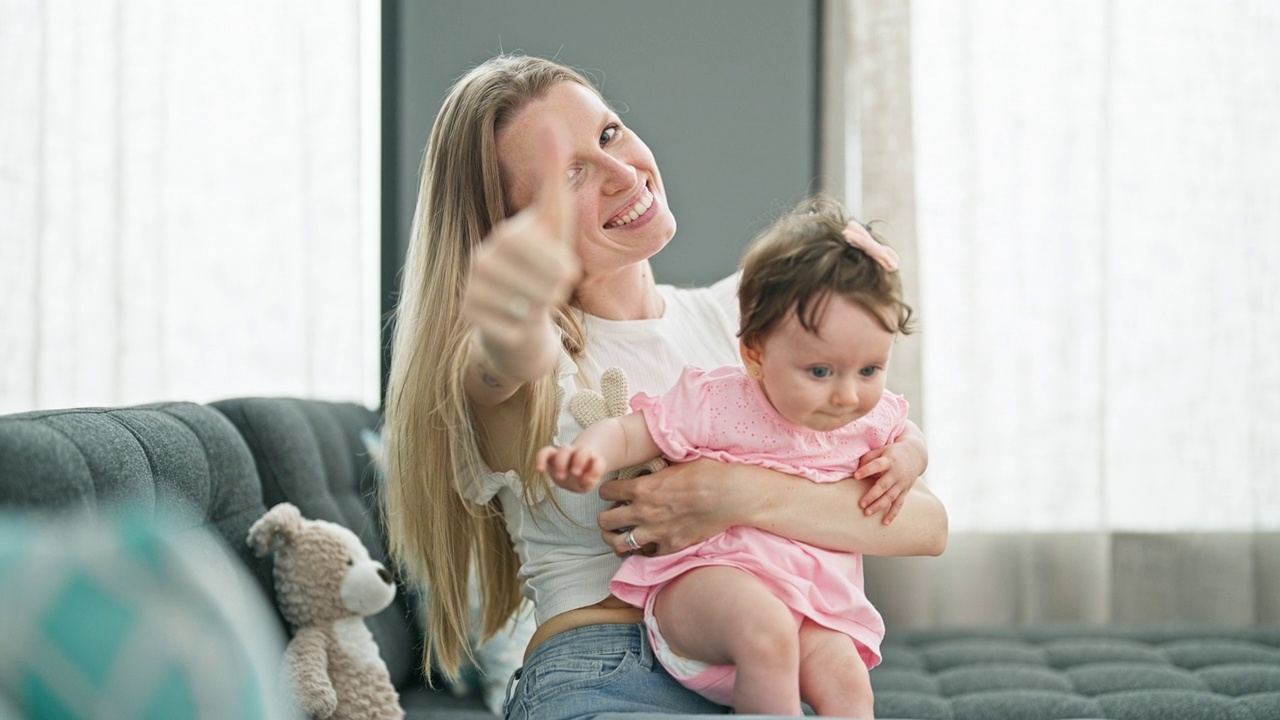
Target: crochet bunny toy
pixel 326 584
pixel 614 400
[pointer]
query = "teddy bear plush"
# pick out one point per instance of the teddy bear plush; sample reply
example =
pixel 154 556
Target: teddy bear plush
pixel 326 584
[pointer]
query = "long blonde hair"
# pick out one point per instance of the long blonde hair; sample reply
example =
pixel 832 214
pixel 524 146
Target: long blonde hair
pixel 437 536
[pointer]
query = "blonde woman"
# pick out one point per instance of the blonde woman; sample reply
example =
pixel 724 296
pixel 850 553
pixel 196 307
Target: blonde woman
pixel 528 274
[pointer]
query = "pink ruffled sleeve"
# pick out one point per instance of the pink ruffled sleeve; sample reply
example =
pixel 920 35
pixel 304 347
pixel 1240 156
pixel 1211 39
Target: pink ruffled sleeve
pixel 895 409
pixel 678 419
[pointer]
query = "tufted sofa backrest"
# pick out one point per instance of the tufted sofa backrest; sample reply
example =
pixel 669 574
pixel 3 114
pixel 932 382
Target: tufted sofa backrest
pixel 179 462
pixel 217 467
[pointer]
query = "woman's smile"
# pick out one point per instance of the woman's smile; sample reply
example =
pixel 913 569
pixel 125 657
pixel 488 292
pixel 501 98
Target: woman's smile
pixel 636 211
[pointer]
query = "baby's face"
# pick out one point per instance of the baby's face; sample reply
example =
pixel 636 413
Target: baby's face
pixel 828 380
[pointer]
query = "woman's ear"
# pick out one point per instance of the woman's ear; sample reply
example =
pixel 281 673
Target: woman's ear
pixel 751 357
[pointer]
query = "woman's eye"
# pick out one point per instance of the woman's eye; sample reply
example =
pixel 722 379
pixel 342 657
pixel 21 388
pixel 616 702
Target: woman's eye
pixel 609 133
pixel 572 173
pixel 820 372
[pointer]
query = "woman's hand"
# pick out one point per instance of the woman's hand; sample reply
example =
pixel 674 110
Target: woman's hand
pixel 525 266
pixel 675 507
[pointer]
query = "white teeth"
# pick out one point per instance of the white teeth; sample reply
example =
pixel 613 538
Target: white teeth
pixel 636 211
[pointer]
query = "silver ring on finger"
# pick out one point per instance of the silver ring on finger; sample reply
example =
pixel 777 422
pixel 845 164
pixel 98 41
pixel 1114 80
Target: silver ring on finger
pixel 518 306
pixel 631 539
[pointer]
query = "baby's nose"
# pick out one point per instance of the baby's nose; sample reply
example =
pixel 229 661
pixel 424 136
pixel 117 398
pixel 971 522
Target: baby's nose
pixel 845 395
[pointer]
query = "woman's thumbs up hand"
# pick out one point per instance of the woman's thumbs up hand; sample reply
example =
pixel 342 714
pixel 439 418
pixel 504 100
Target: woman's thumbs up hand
pixel 526 266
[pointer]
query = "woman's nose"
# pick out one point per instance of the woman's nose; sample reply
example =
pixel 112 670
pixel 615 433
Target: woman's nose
pixel 619 175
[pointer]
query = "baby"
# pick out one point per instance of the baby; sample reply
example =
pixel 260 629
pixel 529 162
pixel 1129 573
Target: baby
pixel 748 618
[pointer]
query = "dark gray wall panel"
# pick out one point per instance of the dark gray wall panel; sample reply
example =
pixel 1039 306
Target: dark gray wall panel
pixel 723 91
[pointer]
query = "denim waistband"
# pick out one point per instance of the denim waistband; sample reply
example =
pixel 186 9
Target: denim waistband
pixel 605 638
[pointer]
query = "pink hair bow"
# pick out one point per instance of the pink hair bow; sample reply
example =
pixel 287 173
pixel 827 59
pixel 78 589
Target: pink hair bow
pixel 858 237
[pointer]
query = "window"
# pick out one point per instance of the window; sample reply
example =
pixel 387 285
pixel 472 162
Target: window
pixel 189 202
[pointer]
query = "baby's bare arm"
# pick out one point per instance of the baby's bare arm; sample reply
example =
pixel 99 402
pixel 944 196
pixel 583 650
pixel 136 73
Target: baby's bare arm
pixel 606 446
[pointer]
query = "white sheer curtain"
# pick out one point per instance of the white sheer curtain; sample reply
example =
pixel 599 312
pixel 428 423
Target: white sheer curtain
pixel 188 201
pixel 1098 186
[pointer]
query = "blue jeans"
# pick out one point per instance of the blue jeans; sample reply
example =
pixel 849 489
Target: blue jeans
pixel 598 669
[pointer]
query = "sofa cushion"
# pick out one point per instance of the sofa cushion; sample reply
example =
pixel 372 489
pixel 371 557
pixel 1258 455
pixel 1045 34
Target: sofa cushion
pixel 309 453
pixel 1080 672
pixel 178 460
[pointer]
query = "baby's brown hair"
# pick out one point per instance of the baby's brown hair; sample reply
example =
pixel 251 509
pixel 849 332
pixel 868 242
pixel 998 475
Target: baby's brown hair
pixel 803 259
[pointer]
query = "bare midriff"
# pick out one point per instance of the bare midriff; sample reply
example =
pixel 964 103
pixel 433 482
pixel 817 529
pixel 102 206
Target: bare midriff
pixel 609 611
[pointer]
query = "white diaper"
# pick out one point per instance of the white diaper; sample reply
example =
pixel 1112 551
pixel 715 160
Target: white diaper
pixel 681 668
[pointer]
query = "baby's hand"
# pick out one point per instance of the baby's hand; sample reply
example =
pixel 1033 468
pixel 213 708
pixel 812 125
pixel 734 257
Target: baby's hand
pixel 572 468
pixel 893 480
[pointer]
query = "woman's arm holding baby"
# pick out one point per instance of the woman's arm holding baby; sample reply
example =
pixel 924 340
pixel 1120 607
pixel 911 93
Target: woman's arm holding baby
pixel 689 502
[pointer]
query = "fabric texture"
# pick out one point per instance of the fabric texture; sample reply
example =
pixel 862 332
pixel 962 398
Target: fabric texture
pixel 118 617
pixel 1060 671
pixel 180 459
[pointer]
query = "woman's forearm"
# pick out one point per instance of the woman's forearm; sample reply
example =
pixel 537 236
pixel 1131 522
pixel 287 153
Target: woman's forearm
pixel 495 372
pixel 828 515
pixel 689 502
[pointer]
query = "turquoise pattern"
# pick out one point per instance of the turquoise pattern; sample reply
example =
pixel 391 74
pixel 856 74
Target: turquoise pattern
pixel 87 624
pixel 42 701
pixel 173 699
pixel 15 534
pixel 125 619
pixel 139 540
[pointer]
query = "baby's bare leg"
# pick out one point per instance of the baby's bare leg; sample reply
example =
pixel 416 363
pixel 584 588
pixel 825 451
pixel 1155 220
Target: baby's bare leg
pixel 833 678
pixel 724 616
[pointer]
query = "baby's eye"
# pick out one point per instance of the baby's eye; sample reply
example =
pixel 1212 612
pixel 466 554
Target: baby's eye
pixel 820 371
pixel 868 371
pixel 609 133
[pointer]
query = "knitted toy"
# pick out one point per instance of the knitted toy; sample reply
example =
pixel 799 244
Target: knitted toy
pixel 326 584
pixel 614 400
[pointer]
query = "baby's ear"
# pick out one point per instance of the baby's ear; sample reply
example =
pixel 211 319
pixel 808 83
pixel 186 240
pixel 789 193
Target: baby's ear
pixel 280 525
pixel 751 356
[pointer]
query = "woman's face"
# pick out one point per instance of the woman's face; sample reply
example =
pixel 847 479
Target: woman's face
pixel 622 210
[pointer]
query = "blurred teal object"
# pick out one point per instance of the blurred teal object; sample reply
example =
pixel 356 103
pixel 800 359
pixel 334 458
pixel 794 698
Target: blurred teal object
pixel 122 618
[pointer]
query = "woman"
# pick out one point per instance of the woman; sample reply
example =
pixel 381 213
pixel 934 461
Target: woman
pixel 528 274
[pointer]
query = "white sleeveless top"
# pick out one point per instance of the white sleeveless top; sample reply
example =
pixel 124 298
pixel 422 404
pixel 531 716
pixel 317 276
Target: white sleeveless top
pixel 564 562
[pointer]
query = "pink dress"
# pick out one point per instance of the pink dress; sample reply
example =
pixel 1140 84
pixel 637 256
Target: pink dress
pixel 723 414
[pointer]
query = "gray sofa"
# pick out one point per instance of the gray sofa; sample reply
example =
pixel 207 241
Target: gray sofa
pixel 222 465
pixel 218 468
